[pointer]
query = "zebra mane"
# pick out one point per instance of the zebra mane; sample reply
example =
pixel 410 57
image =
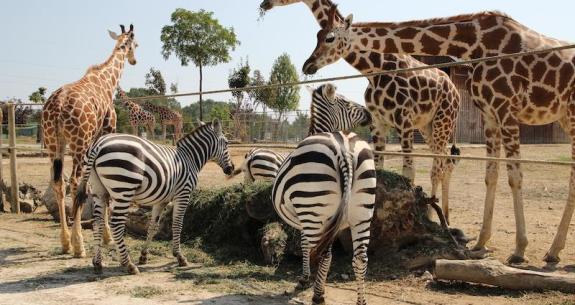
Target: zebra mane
pixel 193 133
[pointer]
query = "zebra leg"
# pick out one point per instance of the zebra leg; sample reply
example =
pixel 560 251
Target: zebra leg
pixel 359 264
pixel 180 205
pixel 119 210
pixel 321 276
pixel 152 230
pixel 99 215
pixel 303 281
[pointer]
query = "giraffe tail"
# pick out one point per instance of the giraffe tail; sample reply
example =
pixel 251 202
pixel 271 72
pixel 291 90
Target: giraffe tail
pixel 333 227
pixel 455 151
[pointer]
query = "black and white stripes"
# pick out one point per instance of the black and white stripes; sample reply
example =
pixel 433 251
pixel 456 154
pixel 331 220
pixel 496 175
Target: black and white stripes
pixel 334 112
pixel 260 164
pixel 327 184
pixel 128 169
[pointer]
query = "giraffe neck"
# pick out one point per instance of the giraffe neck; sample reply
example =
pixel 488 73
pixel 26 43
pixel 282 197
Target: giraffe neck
pixel 320 10
pixel 107 75
pixel 465 36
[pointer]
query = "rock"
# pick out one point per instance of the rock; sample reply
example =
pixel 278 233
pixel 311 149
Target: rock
pixel 427 276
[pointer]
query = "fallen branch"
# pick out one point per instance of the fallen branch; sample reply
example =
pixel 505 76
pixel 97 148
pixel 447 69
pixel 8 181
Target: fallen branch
pixel 492 272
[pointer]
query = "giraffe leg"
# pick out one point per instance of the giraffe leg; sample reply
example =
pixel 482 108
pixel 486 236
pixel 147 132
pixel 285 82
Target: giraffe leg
pixel 60 191
pixel 321 276
pixel 303 281
pixel 152 230
pixel 552 256
pixel 493 147
pixel 180 205
pixel 108 240
pixel 163 132
pixel 77 238
pixel 135 130
pixel 510 136
pixel 378 133
pixel 407 147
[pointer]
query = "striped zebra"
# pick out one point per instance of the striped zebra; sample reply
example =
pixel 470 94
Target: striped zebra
pixel 260 164
pixel 126 169
pixel 326 185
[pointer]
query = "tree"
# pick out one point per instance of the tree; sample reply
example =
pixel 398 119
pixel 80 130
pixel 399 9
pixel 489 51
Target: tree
pixel 260 97
pixel 199 38
pixel 155 82
pixel 38 96
pixel 174 88
pixel 239 78
pixel 283 99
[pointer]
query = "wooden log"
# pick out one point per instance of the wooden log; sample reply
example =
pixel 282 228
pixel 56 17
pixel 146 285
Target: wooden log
pixel 15 204
pixel 492 272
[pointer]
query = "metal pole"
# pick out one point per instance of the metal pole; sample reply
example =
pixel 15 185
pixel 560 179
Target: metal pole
pixel 15 204
pixel 1 177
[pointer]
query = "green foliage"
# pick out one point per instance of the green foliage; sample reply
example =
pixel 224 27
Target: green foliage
pixel 239 78
pixel 284 98
pixel 261 97
pixel 38 96
pixel 197 37
pixel 155 82
pixel 191 113
pixel 220 111
pixel 174 88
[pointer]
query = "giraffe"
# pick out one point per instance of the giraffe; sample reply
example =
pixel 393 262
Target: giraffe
pixel 138 116
pixel 424 100
pixel 532 90
pixel 167 117
pixel 76 114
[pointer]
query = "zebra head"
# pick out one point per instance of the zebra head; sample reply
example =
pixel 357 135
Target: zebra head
pixel 220 153
pixel 333 112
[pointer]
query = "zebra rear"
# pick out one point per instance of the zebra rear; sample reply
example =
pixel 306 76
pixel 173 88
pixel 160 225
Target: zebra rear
pixel 260 164
pixel 326 185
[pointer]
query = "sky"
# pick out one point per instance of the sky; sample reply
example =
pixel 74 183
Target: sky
pixel 52 42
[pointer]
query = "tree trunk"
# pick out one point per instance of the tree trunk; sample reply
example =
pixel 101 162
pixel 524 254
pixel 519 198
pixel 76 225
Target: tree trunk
pixel 201 76
pixel 493 272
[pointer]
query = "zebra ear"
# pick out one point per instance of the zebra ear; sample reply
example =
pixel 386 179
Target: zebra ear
pixel 310 89
pixel 217 126
pixel 200 123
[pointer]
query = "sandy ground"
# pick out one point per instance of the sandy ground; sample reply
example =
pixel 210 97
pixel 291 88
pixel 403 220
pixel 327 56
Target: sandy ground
pixel 33 272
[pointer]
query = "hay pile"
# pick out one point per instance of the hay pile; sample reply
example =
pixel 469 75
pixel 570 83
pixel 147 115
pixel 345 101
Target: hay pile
pixel 242 216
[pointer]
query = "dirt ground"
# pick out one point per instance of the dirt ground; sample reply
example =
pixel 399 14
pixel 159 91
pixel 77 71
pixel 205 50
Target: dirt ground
pixel 32 271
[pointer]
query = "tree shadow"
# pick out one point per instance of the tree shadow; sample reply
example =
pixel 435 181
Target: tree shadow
pixel 240 299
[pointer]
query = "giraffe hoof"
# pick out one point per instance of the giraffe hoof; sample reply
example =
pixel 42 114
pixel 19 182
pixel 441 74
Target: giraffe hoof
pixel 132 269
pixel 318 300
pixel 80 254
pixel 516 260
pixel 551 259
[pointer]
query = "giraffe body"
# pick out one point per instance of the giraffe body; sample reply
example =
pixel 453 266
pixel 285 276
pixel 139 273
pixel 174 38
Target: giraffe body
pixel 137 115
pixel 533 89
pixel 75 115
pixel 424 100
pixel 167 117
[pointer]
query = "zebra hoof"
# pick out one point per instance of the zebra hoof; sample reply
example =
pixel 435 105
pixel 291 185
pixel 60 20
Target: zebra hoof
pixel 98 269
pixel 182 261
pixel 318 300
pixel 132 269
pixel 302 284
pixel 143 260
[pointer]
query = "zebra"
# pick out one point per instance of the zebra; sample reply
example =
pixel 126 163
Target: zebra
pixel 260 164
pixel 126 169
pixel 328 184
pixel 334 112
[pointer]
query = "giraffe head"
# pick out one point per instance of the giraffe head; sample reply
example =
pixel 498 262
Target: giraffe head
pixel 126 41
pixel 333 43
pixel 332 112
pixel 267 5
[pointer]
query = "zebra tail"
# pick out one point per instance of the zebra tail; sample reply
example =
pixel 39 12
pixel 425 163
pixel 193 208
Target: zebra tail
pixel 82 190
pixel 333 228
